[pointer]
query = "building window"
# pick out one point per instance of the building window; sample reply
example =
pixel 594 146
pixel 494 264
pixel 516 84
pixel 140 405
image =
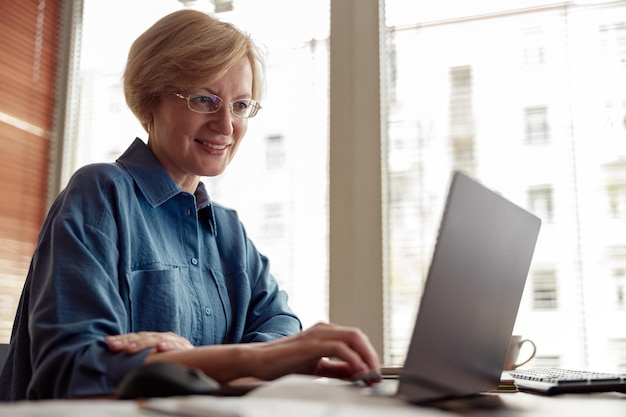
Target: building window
pixel 536 124
pixel 533 50
pixel 273 221
pixel 617 350
pixel 274 152
pixel 461 102
pixel 540 202
pixel 544 290
pixel 617 200
pixel 613 38
pixel 461 119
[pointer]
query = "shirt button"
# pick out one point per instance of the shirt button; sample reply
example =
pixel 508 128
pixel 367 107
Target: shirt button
pixel 207 311
pixel 188 212
pixel 194 261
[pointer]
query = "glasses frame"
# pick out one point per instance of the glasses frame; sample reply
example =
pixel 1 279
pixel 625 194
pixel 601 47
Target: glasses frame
pixel 255 105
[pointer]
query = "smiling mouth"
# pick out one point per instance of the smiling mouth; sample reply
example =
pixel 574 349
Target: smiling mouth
pixel 211 145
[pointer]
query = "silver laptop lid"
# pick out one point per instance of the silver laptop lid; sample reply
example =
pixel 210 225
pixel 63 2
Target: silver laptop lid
pixel 471 295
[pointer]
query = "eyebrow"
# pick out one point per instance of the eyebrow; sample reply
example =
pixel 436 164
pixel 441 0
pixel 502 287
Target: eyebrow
pixel 245 96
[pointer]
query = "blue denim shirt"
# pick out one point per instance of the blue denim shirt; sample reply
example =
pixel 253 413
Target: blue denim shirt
pixel 123 249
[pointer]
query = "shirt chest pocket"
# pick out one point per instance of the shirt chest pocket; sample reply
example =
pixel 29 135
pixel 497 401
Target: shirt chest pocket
pixel 163 300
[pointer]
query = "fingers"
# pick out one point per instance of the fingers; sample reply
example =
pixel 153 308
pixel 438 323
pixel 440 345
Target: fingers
pixel 348 344
pixel 339 369
pixel 132 343
pixel 324 350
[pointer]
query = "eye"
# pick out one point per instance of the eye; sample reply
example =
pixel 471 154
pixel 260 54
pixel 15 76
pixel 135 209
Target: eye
pixel 241 105
pixel 206 100
pixel 205 103
pixel 245 107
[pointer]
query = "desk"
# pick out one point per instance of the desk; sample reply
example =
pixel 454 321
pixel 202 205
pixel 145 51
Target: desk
pixel 522 404
pixel 305 398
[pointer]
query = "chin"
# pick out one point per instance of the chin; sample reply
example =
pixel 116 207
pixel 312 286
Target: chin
pixel 213 172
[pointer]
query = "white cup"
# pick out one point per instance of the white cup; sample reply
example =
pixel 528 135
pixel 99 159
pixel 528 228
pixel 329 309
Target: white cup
pixel 515 347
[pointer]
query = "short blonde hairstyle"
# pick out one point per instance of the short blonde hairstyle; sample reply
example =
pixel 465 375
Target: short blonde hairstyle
pixel 179 51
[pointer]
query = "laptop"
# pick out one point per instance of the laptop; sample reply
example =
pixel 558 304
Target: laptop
pixel 469 303
pixel 471 296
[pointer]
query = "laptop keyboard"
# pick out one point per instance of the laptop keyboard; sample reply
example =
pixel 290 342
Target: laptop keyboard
pixel 552 381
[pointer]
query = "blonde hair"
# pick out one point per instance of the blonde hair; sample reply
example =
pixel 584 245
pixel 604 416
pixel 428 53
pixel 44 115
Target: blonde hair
pixel 181 50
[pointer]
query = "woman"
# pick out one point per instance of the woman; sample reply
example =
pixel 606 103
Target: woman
pixel 136 264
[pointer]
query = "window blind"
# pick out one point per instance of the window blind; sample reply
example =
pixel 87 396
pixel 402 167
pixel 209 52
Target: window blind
pixel 28 47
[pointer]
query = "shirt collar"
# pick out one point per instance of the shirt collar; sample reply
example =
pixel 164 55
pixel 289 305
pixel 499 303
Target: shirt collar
pixel 155 183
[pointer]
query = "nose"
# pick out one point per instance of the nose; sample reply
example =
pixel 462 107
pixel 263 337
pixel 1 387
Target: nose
pixel 222 121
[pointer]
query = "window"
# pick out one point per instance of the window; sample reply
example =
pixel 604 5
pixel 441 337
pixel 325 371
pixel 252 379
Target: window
pixel 540 202
pixel 536 122
pixel 273 221
pixel 461 125
pixel 464 84
pixel 533 50
pixel 545 294
pixel 461 121
pixel 274 152
pixel 476 86
pixel 617 349
pixel 617 200
pixel 613 36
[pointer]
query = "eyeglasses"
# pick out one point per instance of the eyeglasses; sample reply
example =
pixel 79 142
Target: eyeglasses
pixel 210 103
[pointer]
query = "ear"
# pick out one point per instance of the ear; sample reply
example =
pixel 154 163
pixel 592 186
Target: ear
pixel 148 122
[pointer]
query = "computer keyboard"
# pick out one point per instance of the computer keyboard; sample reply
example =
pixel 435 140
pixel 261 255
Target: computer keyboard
pixel 551 381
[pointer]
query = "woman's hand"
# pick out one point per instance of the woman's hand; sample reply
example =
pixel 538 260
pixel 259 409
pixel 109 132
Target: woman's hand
pixel 325 350
pixel 132 343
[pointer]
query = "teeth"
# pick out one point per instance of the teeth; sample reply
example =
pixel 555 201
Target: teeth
pixel 211 145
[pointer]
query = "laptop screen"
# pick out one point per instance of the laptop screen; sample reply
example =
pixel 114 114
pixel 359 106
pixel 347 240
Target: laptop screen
pixel 471 296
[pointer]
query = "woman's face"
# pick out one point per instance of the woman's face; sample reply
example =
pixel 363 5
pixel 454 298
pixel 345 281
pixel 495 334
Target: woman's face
pixel 189 144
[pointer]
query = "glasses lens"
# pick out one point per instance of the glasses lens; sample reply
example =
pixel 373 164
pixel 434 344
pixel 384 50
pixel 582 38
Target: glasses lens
pixel 205 103
pixel 245 107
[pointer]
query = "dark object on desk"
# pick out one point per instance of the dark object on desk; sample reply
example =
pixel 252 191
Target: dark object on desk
pixel 4 352
pixel 552 381
pixel 164 379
